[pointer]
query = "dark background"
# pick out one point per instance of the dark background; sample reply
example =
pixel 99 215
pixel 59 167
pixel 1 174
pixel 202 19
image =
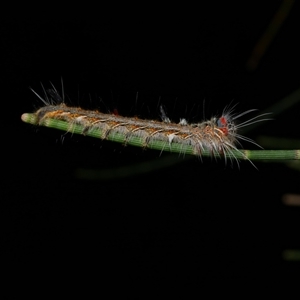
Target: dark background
pixel 184 218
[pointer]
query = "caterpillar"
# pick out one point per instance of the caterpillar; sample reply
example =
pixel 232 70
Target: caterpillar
pixel 216 137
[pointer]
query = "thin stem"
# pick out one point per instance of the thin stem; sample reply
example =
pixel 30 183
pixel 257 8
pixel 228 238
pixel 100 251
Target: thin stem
pixel 160 145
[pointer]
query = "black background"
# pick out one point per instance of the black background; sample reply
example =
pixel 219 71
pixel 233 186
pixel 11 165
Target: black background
pixel 189 219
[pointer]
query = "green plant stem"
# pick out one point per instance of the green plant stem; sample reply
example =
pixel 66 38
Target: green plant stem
pixel 32 118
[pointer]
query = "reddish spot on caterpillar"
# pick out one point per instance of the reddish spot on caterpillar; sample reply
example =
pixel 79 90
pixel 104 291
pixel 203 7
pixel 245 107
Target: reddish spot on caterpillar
pixel 116 112
pixel 223 125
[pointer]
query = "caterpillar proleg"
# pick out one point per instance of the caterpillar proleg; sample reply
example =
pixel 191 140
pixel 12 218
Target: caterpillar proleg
pixel 216 137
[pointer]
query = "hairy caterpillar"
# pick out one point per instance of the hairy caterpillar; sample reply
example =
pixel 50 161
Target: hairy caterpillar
pixel 217 137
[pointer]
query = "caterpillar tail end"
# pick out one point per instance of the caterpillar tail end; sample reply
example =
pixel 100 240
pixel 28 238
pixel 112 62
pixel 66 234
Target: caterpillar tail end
pixel 30 118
